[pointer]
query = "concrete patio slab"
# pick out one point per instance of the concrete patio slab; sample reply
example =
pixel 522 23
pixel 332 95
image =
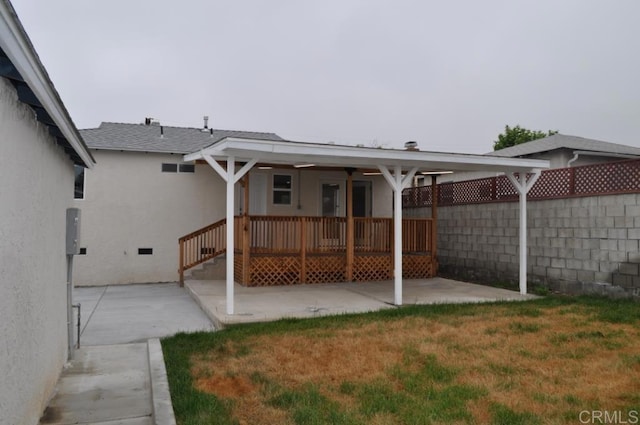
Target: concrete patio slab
pixel 123 314
pixel 258 304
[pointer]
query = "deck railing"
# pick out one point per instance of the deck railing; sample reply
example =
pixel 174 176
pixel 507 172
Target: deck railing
pixel 303 236
pixel 202 245
pixel 287 234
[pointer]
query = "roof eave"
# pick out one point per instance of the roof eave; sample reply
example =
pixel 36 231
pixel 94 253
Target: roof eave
pixel 130 149
pixel 18 48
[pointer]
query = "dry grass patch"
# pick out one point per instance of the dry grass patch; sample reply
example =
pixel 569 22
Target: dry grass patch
pixel 493 363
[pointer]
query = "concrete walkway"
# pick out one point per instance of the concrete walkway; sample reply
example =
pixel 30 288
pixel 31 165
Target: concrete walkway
pixel 118 377
pixel 276 302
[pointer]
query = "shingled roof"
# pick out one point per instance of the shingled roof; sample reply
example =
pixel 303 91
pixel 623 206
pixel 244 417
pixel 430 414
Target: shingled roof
pixel 157 138
pixel 560 141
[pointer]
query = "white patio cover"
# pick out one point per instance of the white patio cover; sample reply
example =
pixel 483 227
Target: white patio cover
pixel 397 166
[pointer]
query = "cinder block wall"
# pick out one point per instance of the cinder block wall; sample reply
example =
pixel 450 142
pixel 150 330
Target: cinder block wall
pixel 576 245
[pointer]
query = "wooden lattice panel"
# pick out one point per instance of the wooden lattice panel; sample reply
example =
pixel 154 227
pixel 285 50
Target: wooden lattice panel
pixel 416 197
pixel 505 190
pixel 275 270
pixel 237 268
pixel 612 177
pixel 551 184
pixel 586 180
pixel 372 268
pixel 326 269
pixel 417 267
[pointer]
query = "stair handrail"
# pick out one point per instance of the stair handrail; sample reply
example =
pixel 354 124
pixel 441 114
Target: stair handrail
pixel 202 245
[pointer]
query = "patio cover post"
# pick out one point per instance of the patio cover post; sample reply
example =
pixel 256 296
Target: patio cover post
pixel 231 178
pixel 523 186
pixel 231 169
pixel 397 184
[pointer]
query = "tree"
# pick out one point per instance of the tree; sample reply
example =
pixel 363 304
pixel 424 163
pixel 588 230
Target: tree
pixel 516 135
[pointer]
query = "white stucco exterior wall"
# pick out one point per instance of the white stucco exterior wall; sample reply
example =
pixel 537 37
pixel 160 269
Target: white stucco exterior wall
pixel 130 204
pixel 307 186
pixel 36 188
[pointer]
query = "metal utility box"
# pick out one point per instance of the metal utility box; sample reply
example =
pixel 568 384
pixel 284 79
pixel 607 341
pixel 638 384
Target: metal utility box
pixel 73 231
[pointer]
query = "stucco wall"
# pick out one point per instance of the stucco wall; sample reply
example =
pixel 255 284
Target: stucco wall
pixel 36 188
pixel 575 245
pixel 307 184
pixel 129 203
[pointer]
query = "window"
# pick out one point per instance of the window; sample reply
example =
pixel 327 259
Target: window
pixel 168 167
pixel 78 192
pixel 187 168
pixel 282 189
pixel 145 251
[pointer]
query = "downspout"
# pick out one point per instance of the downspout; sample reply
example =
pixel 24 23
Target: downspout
pixel 576 154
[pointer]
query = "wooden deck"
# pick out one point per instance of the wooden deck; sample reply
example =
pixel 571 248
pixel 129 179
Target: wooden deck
pixel 286 250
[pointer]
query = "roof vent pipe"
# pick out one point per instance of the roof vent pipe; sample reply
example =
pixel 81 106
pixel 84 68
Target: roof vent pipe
pixel 411 145
pixel 206 122
pixel 147 121
pixel 211 131
pixel 162 132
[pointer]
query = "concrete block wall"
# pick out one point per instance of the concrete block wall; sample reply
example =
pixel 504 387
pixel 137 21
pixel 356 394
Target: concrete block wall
pixel 575 245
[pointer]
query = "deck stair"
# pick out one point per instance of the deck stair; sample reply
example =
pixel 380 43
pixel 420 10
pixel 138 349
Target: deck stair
pixel 214 269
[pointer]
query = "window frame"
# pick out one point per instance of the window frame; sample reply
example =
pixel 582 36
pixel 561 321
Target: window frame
pixel 83 173
pixel 177 167
pixel 166 167
pixel 188 165
pixel 275 189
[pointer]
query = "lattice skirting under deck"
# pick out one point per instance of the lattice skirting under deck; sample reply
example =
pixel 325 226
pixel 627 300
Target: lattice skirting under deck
pixel 417 266
pixel 286 269
pixel 280 270
pixel 326 269
pixel 372 268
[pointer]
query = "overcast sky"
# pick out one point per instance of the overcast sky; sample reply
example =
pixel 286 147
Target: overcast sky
pixel 448 74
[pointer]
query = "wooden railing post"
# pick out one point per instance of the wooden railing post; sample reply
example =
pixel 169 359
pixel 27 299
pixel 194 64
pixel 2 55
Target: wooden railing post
pixel 350 233
pixel 434 216
pixel 246 249
pixel 572 181
pixel 494 188
pixel 303 250
pixel 181 269
pixel 246 241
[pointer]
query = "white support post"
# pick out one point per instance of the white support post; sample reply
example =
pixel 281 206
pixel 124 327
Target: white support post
pixel 231 168
pixel 397 184
pixel 523 188
pixel 231 178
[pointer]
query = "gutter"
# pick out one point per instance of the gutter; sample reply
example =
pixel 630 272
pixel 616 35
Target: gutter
pixel 576 154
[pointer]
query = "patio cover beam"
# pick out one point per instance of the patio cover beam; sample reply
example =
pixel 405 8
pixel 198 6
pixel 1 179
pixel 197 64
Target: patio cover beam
pixel 523 186
pixel 398 184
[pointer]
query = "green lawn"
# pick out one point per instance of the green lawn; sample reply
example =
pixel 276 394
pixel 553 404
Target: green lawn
pixel 534 362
